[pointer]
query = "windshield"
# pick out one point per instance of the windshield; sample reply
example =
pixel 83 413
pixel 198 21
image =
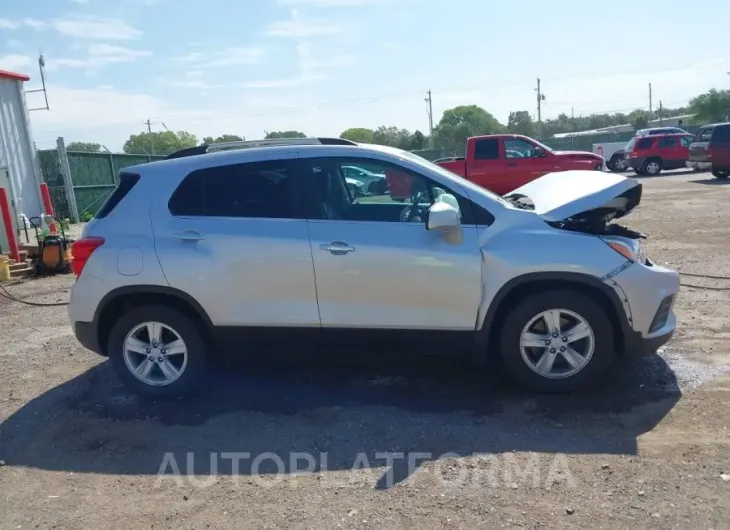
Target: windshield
pixel 540 144
pixel 452 176
pixel 631 144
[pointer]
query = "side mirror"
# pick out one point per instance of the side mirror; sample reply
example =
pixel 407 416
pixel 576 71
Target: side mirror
pixel 442 217
pixel 539 152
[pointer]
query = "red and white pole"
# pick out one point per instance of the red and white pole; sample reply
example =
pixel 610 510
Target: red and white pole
pixel 48 206
pixel 9 225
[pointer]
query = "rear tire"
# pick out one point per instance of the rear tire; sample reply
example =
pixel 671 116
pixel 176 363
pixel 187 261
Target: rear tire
pixel 162 372
pixel 720 173
pixel 652 167
pixel 524 323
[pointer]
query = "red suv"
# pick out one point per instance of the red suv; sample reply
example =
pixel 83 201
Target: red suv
pixel 711 148
pixel 648 155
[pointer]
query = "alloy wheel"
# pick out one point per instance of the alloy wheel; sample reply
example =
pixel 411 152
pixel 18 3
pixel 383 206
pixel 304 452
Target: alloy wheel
pixel 155 353
pixel 557 343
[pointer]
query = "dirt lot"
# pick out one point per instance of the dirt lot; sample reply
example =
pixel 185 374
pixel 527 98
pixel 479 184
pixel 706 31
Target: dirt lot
pixel 650 448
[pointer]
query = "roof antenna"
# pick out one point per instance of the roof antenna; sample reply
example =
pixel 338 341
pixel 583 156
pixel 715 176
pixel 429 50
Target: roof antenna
pixel 42 68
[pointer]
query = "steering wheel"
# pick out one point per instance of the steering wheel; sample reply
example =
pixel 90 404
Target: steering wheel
pixel 414 213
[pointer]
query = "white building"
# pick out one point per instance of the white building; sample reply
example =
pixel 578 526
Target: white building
pixel 19 169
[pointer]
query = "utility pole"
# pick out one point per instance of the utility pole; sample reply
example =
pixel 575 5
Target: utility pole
pixel 650 104
pixel 540 99
pixel 149 131
pixel 429 100
pixel 661 109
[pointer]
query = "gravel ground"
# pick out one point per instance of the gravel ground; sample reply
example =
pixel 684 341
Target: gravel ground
pixel 402 444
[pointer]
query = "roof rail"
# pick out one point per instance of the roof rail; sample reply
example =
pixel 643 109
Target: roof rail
pixel 209 148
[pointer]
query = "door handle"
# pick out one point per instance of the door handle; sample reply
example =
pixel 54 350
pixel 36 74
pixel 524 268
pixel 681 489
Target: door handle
pixel 189 235
pixel 511 164
pixel 337 247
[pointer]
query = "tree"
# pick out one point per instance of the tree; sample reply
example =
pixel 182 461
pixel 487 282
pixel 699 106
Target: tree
pixel 89 147
pixel 358 134
pixel 639 118
pixel 163 142
pixel 461 122
pixel 711 106
pixel 392 136
pixel 418 141
pixel 520 122
pixel 284 134
pixel 223 138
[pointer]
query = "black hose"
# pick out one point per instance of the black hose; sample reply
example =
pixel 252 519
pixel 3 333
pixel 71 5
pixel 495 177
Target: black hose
pixel 26 302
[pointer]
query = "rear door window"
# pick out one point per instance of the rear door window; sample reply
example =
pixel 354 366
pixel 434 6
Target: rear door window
pixel 667 142
pixel 486 149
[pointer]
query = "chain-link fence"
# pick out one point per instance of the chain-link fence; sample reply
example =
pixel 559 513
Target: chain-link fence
pixel 94 177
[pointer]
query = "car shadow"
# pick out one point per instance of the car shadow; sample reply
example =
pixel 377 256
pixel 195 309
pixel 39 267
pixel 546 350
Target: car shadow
pixel 667 173
pixel 712 182
pixel 341 410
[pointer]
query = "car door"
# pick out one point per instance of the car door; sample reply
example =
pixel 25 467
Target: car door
pixel 524 163
pixel 668 151
pixel 485 165
pixel 376 265
pixel 232 237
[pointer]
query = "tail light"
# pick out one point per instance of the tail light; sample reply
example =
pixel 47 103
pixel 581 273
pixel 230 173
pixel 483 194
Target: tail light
pixel 81 252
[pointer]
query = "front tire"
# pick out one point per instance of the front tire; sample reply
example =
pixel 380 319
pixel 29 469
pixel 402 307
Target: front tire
pixel 720 173
pixel 557 341
pixel 158 352
pixel 652 167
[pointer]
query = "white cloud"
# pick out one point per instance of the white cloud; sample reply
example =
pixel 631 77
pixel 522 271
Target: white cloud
pixel 8 24
pixel 96 28
pixel 193 73
pixel 233 56
pixel 311 68
pixel 14 61
pixel 99 55
pixel 33 23
pixel 299 27
pixel 82 2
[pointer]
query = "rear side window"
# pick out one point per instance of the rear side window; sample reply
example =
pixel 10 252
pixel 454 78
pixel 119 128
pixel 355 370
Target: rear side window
pixel 668 141
pixel 126 183
pixel 487 149
pixel 645 143
pixel 258 189
pixel 721 134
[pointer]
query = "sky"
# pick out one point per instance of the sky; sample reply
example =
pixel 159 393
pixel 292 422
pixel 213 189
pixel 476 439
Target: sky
pixel 321 66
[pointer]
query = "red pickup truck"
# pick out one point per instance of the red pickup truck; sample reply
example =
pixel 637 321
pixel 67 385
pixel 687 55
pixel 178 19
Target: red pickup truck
pixel 504 162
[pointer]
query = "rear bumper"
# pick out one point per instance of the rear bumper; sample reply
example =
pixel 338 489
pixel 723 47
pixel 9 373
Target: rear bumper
pixel 635 163
pixel 87 334
pixel 699 165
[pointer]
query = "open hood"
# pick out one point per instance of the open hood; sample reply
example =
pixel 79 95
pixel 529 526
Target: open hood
pixel 581 194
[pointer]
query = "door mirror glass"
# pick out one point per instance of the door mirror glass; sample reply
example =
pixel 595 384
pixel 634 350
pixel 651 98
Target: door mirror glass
pixel 539 152
pixel 442 216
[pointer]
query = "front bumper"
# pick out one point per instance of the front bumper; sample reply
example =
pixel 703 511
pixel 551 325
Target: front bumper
pixel 649 293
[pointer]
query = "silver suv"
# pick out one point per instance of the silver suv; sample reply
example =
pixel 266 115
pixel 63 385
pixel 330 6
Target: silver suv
pixel 264 242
